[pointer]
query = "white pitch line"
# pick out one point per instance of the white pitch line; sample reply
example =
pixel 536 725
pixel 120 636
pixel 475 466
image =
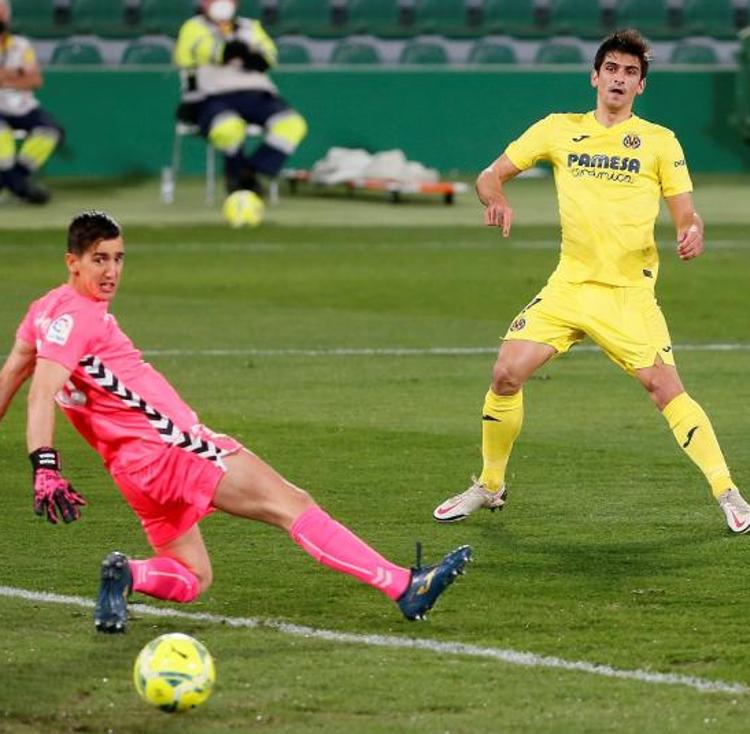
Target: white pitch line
pixel 511 657
pixel 399 351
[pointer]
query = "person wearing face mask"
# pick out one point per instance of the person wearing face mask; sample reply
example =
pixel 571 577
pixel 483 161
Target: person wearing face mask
pixel 20 75
pixel 223 61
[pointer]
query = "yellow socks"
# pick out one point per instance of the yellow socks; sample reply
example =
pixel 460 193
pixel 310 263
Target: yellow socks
pixel 502 417
pixel 696 437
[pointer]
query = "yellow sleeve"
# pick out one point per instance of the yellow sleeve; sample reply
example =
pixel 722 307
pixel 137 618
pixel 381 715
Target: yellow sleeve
pixel 532 146
pixel 197 46
pixel 673 171
pixel 264 44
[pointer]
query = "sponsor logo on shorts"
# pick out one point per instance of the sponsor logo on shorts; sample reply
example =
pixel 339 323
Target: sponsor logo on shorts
pixel 59 330
pixel 648 273
pixel 518 324
pixel 680 163
pixel 631 141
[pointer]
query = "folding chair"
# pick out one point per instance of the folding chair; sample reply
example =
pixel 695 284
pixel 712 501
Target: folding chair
pixel 169 174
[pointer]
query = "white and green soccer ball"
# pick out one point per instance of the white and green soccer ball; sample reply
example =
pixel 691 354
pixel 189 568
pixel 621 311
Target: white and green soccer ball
pixel 174 672
pixel 243 209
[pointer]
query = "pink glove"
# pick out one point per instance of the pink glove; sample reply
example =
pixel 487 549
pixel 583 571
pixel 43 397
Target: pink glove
pixel 52 492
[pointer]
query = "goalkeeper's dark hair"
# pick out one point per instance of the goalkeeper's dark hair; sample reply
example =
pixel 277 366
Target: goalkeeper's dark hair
pixel 88 228
pixel 626 41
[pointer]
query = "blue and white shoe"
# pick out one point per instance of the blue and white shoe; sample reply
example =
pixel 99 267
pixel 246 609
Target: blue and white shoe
pixel 111 611
pixel 429 582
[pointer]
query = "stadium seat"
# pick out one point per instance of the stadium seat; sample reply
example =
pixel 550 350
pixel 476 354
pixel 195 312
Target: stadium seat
pixel 514 17
pixel 423 52
pixel 305 17
pixel 582 18
pixel 355 52
pixel 105 18
pixel 377 17
pixel 559 52
pixel 693 53
pixel 293 53
pixel 145 52
pixel 446 17
pixel 653 18
pixel 76 53
pixel 717 18
pixel 250 9
pixel 165 16
pixel 38 18
pixel 487 52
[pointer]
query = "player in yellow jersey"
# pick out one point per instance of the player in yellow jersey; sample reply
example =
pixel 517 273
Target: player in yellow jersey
pixel 611 168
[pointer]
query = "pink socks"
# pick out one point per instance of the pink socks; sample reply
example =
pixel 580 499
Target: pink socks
pixel 164 578
pixel 330 543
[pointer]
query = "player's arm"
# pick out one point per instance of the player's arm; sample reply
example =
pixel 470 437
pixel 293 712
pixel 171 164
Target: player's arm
pixel 18 367
pixel 489 186
pixel 688 224
pixel 53 494
pixel 26 77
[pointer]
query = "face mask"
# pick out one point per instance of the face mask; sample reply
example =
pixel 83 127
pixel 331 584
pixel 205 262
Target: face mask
pixel 221 11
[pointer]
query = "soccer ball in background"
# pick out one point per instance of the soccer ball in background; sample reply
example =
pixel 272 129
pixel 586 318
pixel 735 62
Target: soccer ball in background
pixel 243 209
pixel 174 672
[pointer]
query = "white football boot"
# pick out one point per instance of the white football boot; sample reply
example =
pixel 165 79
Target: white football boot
pixel 737 511
pixel 475 498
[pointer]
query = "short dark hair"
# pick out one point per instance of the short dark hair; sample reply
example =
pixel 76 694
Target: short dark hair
pixel 625 41
pixel 88 228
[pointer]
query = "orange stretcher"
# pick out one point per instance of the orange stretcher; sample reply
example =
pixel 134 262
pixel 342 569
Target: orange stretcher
pixel 395 189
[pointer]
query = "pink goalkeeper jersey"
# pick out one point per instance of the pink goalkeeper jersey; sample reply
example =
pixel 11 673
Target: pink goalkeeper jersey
pixel 120 404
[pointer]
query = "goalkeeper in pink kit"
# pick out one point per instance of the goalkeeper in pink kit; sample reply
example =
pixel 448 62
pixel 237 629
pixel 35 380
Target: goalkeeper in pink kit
pixel 171 470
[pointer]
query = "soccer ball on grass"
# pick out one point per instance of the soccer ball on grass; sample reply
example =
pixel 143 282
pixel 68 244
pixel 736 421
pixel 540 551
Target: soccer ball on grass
pixel 243 209
pixel 174 672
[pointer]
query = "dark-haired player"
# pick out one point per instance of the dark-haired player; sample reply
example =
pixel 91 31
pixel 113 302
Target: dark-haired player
pixel 611 168
pixel 171 469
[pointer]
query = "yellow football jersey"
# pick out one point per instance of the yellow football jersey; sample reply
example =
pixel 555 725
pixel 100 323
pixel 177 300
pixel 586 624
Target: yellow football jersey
pixel 609 181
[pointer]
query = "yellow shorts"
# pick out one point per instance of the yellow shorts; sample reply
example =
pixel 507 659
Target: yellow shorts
pixel 625 322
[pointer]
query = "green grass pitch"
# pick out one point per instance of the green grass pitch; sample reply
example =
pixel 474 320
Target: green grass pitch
pixel 611 550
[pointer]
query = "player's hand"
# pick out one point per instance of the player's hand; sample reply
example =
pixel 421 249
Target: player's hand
pixel 499 213
pixel 690 242
pixel 53 494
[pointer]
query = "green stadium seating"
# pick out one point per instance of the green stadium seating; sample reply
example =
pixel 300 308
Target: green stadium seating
pixel 105 18
pixel 717 18
pixel 559 52
pixel 446 17
pixel 304 17
pixel 165 16
pixel 514 17
pixel 37 18
pixel 293 53
pixel 377 17
pixel 76 53
pixel 423 52
pixel 145 52
pixel 651 17
pixel 250 9
pixel 693 53
pixel 582 18
pixel 488 52
pixel 355 52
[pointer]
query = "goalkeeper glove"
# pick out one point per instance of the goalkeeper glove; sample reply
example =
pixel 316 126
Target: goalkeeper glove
pixel 251 60
pixel 52 492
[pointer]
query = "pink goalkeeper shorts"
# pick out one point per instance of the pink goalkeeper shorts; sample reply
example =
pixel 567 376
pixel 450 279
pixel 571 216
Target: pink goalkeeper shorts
pixel 174 492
